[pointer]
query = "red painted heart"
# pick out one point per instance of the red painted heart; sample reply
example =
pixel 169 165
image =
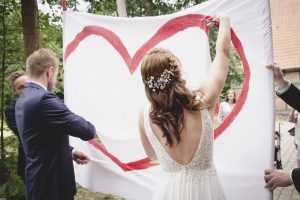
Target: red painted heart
pixel 166 31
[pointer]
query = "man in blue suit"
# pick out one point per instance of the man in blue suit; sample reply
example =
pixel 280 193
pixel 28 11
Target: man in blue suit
pixel 44 123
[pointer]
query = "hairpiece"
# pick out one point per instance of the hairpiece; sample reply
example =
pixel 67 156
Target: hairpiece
pixel 161 82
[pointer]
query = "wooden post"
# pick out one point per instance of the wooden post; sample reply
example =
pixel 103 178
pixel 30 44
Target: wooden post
pixel 2 79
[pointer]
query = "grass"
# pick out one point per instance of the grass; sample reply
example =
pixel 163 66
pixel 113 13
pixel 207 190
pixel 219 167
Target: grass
pixel 85 194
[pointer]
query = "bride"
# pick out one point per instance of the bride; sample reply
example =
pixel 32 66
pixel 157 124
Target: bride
pixel 176 128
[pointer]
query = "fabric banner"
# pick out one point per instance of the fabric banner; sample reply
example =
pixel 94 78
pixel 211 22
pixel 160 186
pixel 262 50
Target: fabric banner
pixel 102 58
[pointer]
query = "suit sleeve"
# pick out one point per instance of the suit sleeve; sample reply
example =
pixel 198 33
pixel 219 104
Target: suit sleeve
pixel 71 148
pixel 291 97
pixel 296 178
pixel 9 113
pixel 55 113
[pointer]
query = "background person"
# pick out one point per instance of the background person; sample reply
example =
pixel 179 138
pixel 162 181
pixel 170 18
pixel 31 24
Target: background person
pixel 18 80
pixel 295 131
pixel 226 107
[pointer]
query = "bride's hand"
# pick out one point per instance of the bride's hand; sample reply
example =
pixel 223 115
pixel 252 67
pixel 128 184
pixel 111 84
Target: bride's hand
pixel 217 19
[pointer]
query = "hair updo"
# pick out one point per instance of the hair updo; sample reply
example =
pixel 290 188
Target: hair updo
pixel 167 102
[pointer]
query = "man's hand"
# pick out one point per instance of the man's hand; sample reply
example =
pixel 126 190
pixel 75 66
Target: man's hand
pixel 278 75
pixel 277 178
pixel 80 158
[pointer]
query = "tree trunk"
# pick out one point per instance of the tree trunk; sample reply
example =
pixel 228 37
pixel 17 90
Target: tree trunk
pixel 3 34
pixel 121 8
pixel 31 26
pixel 149 7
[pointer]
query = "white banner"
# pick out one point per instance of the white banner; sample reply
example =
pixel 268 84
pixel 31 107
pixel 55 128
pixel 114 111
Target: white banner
pixel 103 83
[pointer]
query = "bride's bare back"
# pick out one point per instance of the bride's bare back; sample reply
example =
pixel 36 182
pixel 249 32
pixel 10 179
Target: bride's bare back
pixel 185 150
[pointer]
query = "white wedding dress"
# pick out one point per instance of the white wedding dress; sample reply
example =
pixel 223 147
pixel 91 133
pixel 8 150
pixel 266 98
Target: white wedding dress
pixel 194 181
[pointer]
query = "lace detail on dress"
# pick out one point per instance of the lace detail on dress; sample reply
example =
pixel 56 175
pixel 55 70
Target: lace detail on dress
pixel 203 159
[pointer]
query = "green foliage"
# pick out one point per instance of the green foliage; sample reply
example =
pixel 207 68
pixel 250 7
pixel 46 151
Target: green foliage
pixel 51 38
pixel 140 7
pixel 11 185
pixel 14 46
pixel 150 8
pixel 13 188
pixel 51 34
pixel 102 7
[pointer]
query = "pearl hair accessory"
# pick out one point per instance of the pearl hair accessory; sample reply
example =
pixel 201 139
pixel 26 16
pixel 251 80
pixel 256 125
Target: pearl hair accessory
pixel 161 82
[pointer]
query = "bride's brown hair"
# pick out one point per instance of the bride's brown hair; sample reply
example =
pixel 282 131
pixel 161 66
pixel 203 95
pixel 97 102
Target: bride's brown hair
pixel 168 102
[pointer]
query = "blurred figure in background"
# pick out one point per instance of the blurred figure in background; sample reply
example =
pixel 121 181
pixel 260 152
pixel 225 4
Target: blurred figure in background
pixel 226 107
pixel 293 117
pixel 18 80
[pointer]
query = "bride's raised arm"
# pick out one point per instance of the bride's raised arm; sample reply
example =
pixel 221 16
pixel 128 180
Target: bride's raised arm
pixel 213 84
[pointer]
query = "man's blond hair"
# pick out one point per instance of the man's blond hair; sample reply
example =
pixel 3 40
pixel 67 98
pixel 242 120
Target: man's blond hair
pixel 39 61
pixel 14 76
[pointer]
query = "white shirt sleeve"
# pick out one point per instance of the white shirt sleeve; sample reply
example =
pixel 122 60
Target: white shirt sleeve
pixel 284 89
pixel 291 175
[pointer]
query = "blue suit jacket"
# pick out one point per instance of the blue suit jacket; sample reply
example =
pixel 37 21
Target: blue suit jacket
pixel 44 123
pixel 292 97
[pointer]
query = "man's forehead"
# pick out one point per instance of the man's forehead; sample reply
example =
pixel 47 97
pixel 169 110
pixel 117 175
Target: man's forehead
pixel 20 78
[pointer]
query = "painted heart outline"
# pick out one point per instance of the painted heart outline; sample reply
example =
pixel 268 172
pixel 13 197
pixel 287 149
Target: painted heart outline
pixel 166 31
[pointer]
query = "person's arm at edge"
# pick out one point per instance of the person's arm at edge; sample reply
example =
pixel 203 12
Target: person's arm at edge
pixel 286 91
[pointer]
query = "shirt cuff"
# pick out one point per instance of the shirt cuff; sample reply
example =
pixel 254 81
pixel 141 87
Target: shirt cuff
pixel 73 151
pixel 284 89
pixel 291 175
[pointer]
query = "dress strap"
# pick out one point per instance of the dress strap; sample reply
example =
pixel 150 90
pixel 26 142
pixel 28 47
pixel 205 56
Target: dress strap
pixel 202 101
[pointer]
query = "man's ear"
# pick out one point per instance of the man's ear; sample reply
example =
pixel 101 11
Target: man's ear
pixel 48 72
